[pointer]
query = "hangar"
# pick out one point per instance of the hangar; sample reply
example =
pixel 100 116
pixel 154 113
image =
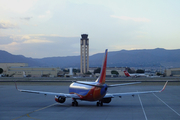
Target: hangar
pixel 22 70
pixel 173 72
pixel 6 66
pixel 33 72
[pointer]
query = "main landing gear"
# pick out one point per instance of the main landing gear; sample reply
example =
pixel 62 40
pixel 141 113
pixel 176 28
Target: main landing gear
pixel 74 102
pixel 100 103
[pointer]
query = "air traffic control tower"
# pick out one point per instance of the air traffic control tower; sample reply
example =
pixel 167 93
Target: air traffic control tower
pixel 84 53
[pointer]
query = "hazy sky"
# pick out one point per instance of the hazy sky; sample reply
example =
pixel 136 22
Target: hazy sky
pixel 46 28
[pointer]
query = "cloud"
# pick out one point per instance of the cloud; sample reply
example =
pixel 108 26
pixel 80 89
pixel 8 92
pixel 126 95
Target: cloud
pixel 26 18
pixel 31 41
pixel 25 37
pixel 131 18
pixel 39 45
pixel 7 25
pixel 126 47
pixel 47 15
pixel 17 6
pixel 5 40
pixel 20 38
pixel 10 47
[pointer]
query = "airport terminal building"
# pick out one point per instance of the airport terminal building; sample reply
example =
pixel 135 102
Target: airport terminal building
pixel 22 70
pixel 173 72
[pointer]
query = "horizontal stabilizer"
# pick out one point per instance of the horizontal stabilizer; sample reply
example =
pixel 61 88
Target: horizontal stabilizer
pixel 88 83
pixel 115 85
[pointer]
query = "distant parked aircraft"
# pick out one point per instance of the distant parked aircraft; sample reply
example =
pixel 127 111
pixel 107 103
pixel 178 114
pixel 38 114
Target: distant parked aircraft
pixel 134 75
pixel 91 91
pixel 24 74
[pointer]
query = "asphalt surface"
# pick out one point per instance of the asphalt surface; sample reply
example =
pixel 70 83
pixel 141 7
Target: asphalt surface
pixel 16 105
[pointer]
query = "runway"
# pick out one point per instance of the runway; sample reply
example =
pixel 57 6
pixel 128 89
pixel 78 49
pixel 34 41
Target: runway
pixel 15 105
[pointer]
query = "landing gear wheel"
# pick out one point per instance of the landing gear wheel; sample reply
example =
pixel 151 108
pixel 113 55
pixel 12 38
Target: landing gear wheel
pixel 97 104
pixel 101 103
pixel 74 103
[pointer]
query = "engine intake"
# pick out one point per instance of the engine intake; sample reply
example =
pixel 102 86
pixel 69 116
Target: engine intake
pixel 60 99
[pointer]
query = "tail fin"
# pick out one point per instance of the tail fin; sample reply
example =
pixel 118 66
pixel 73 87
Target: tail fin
pixel 102 76
pixel 126 73
pixel 24 74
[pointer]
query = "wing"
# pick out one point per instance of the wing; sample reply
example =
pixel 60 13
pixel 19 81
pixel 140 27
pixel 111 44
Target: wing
pixel 49 93
pixel 115 85
pixel 112 95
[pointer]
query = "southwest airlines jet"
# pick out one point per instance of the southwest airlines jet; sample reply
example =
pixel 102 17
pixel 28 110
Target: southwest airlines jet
pixel 134 75
pixel 90 91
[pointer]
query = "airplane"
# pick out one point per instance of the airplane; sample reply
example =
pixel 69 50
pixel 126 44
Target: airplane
pixel 91 91
pixel 24 74
pixel 134 75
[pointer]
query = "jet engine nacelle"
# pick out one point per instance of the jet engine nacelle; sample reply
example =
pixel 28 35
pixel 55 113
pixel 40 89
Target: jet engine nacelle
pixel 60 99
pixel 106 100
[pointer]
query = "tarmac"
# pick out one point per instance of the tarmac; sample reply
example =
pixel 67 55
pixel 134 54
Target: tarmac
pixel 15 105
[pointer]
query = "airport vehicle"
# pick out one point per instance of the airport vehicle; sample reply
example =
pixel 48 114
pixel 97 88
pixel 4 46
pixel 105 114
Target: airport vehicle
pixel 134 75
pixel 91 91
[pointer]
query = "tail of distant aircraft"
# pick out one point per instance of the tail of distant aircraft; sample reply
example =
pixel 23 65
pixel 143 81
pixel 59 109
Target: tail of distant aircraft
pixel 24 74
pixel 102 76
pixel 126 73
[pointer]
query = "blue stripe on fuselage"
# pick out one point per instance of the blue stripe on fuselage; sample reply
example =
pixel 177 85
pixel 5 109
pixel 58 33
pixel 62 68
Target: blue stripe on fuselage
pixel 104 89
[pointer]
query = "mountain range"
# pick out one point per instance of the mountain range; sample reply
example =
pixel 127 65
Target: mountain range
pixel 124 58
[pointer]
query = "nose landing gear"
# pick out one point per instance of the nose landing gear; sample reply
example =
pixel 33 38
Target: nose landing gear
pixel 74 102
pixel 100 103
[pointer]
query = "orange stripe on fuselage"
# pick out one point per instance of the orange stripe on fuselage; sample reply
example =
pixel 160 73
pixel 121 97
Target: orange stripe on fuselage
pixel 97 94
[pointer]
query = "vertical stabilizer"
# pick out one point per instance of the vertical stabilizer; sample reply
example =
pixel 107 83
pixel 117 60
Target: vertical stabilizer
pixel 102 76
pixel 126 73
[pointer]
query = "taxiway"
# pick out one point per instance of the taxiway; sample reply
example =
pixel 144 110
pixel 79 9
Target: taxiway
pixel 15 105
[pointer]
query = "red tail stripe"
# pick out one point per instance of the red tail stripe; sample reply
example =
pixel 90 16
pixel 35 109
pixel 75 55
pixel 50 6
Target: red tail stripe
pixel 103 70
